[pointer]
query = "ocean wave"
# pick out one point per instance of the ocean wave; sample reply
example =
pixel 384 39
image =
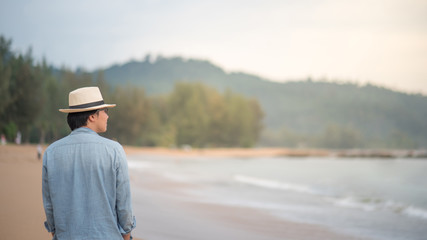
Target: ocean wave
pixel 138 165
pixel 272 184
pixel 415 212
pixel 177 177
pixel 367 204
pixel 376 204
pixel 351 202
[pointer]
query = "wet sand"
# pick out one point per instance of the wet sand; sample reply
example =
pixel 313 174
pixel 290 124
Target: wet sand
pixel 164 212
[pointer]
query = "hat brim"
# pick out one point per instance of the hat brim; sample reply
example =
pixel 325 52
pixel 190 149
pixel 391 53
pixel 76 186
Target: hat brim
pixel 74 110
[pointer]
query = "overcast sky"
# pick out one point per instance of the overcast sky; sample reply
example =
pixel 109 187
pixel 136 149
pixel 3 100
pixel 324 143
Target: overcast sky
pixel 383 42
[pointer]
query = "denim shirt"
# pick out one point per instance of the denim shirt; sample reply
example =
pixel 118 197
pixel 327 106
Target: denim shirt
pixel 86 189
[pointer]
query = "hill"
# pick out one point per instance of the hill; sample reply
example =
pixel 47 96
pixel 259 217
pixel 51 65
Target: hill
pixel 299 113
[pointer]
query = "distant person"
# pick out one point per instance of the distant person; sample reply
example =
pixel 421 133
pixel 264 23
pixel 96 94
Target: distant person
pixel 3 139
pixel 39 151
pixel 86 189
pixel 18 138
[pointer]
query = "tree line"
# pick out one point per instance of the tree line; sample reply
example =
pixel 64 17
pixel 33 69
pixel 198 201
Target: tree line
pixel 308 113
pixel 191 114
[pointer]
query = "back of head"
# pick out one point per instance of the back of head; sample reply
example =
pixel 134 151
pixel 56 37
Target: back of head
pixel 78 119
pixel 83 102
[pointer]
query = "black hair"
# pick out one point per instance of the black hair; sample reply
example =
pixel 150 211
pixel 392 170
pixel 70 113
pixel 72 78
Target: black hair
pixel 79 119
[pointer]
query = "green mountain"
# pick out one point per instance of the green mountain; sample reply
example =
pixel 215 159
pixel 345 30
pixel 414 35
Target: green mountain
pixel 321 114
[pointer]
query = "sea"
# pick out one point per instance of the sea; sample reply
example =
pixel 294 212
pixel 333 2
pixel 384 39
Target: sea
pixel 378 199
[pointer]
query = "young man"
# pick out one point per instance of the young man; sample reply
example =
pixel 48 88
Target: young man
pixel 86 190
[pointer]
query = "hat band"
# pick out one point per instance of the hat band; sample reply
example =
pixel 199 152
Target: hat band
pixel 88 105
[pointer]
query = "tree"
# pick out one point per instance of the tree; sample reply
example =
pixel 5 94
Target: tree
pixel 129 121
pixel 188 113
pixel 5 74
pixel 204 118
pixel 336 136
pixel 25 92
pixel 50 123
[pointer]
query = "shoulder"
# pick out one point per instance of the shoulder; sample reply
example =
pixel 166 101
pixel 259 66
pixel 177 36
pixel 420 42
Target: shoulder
pixel 112 147
pixel 57 143
pixel 110 143
pixel 87 139
pixel 53 149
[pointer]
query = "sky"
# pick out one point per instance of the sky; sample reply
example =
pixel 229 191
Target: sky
pixel 381 42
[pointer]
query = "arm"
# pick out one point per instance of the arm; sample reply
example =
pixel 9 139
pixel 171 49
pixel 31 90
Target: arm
pixel 123 196
pixel 49 223
pixel 126 236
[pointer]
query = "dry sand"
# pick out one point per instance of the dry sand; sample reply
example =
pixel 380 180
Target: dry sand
pixel 21 214
pixel 21 205
pixel 161 212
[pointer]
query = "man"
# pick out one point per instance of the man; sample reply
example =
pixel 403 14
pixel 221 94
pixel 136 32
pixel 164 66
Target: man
pixel 86 190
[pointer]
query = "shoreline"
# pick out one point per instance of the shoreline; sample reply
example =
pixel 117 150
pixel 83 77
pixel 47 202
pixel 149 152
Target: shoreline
pixel 7 151
pixel 227 152
pixel 172 213
pixel 279 152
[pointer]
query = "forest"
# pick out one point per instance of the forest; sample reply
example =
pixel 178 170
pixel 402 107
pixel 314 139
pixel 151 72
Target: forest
pixel 192 114
pixel 175 101
pixel 304 113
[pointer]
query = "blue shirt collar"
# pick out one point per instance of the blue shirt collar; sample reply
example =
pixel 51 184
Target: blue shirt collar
pixel 83 130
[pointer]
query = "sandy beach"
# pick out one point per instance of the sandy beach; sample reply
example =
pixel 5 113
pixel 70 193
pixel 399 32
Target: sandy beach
pixel 21 209
pixel 160 210
pixel 22 213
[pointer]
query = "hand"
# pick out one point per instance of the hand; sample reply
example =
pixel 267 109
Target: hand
pixel 126 236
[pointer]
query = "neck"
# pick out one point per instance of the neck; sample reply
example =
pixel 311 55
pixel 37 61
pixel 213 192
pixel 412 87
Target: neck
pixel 91 127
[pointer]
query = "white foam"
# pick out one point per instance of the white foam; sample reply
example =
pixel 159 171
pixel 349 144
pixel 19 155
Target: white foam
pixel 350 202
pixel 415 212
pixel 138 165
pixel 272 184
pixel 374 204
pixel 176 177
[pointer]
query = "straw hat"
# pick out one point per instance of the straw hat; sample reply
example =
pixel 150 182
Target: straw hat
pixel 85 99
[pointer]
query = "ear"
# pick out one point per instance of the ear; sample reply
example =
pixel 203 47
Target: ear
pixel 91 118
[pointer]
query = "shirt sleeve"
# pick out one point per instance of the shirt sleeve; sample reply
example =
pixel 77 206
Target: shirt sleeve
pixel 126 220
pixel 47 203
